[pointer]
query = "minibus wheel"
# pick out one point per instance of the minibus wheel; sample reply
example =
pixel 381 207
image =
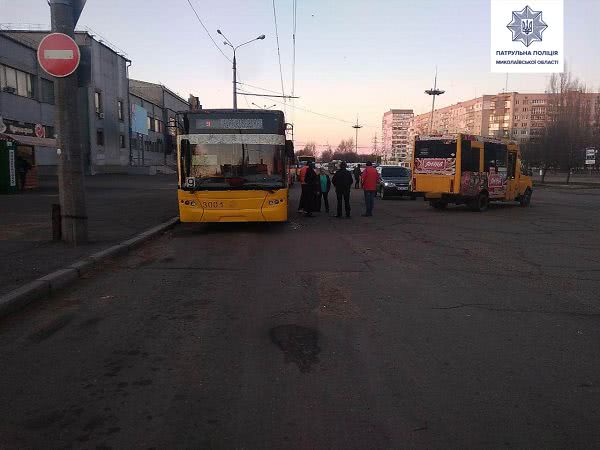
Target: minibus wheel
pixel 481 203
pixel 525 199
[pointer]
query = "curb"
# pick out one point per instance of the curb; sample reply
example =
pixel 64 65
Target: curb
pixel 26 294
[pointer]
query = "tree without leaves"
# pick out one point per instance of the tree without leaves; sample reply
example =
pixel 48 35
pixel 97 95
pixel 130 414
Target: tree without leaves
pixel 568 118
pixel 345 146
pixel 310 149
pixel 327 155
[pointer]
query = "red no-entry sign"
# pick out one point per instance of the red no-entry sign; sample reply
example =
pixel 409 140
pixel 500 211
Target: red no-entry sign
pixel 58 55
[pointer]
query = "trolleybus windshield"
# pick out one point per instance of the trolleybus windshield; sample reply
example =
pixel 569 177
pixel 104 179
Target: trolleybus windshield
pixel 233 150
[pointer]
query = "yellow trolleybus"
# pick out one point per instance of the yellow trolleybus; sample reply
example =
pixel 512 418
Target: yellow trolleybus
pixel 469 169
pixel 233 166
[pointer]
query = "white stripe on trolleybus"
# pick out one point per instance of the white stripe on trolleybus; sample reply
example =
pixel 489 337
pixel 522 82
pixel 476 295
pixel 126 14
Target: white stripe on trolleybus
pixel 267 139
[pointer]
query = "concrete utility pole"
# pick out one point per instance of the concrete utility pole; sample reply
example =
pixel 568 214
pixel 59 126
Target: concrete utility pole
pixel 71 187
pixel 433 92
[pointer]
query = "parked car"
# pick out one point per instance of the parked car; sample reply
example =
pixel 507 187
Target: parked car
pixel 395 181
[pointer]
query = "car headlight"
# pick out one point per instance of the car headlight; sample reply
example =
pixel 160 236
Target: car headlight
pixel 388 184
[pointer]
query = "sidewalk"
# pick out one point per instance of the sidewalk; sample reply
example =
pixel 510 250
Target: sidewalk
pixel 561 178
pixel 119 206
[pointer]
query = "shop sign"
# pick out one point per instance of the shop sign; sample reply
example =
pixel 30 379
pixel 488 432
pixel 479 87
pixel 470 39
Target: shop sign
pixel 11 166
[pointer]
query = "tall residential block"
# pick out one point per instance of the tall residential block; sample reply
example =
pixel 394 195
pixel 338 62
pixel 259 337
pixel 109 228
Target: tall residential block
pixel 396 141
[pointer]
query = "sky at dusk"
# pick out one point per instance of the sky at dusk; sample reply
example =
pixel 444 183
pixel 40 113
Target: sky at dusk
pixel 352 57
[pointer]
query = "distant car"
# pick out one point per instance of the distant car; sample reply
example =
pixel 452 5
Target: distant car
pixel 395 181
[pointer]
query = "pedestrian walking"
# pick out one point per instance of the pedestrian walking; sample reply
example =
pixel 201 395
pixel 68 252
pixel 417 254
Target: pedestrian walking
pixel 325 186
pixel 369 178
pixel 301 177
pixel 357 173
pixel 342 180
pixel 22 166
pixel 311 190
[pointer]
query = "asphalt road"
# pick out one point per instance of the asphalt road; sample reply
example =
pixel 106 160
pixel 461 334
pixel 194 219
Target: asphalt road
pixel 412 329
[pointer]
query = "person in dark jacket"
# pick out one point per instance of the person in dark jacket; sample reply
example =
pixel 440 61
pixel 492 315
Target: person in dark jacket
pixel 22 166
pixel 342 180
pixel 311 180
pixel 324 187
pixel 357 172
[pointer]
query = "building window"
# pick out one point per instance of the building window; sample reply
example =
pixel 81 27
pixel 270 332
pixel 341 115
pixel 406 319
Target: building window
pixel 98 102
pixel 100 138
pixel 122 140
pixel 47 92
pixel 16 82
pixel 151 124
pixel 173 128
pixel 157 125
pixel 120 109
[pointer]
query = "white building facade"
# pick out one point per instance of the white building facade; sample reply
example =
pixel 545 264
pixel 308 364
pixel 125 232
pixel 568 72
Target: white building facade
pixel 396 139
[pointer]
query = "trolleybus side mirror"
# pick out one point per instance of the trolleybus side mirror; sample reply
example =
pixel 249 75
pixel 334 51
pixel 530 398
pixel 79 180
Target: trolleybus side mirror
pixel 289 149
pixel 186 156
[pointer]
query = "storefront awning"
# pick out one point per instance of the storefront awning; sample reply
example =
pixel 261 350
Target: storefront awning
pixel 6 137
pixel 35 141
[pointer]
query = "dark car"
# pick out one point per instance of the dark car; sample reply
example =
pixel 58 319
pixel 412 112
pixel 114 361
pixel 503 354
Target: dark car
pixel 395 181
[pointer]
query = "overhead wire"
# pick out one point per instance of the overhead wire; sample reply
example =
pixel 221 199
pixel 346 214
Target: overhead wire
pixel 208 32
pixel 294 48
pixel 260 88
pixel 295 15
pixel 278 51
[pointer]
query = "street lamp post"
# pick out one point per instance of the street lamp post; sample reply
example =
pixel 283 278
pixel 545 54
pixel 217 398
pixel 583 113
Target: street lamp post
pixel 356 128
pixel 433 92
pixel 228 43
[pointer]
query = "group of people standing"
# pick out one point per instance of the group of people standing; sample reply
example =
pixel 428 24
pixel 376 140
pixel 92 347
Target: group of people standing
pixel 316 187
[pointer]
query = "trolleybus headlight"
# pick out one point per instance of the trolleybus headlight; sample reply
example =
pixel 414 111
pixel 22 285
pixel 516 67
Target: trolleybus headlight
pixel 193 203
pixel 187 202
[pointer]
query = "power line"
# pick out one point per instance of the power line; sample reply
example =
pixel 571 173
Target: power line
pixel 295 15
pixel 260 88
pixel 278 50
pixel 207 32
pixel 304 109
pixel 294 49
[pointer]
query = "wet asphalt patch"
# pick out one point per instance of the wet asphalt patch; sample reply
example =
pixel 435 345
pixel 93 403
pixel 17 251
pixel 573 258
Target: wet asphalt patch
pixel 299 344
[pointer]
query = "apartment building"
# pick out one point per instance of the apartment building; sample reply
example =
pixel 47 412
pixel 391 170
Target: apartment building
pixel 396 141
pixel 510 115
pixel 471 116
